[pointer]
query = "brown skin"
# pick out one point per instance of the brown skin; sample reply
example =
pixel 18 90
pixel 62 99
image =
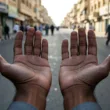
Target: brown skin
pixel 30 72
pixel 80 73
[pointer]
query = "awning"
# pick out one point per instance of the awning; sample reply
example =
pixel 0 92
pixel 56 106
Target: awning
pixel 20 18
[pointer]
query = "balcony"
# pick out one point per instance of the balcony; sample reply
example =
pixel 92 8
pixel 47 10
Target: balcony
pixel 84 4
pixel 12 2
pixel 96 14
pixel 84 17
pixel 78 18
pixel 91 17
pixel 105 10
pixel 74 20
pixel 26 10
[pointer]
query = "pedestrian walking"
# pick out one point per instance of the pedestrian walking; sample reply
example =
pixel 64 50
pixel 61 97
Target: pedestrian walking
pixel 0 33
pixel 22 27
pixel 28 27
pixel 91 27
pixel 73 26
pixel 108 35
pixel 41 28
pixel 6 31
pixel 46 29
pixel 52 27
pixel 35 27
pixel 16 28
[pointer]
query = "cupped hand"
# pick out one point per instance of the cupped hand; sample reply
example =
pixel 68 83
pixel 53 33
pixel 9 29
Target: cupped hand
pixel 32 68
pixel 81 68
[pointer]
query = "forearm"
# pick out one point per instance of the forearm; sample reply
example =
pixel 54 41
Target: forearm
pixel 77 95
pixel 35 96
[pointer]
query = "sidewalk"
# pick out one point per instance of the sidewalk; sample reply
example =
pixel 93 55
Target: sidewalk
pixel 12 36
pixel 100 34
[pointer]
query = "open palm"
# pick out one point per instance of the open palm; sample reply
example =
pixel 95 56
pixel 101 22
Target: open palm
pixel 33 67
pixel 82 67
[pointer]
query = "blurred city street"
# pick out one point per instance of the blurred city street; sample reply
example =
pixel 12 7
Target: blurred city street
pixel 54 100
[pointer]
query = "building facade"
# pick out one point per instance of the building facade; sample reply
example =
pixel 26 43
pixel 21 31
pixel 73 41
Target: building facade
pixel 99 14
pixel 84 13
pixel 96 12
pixel 3 14
pixel 17 11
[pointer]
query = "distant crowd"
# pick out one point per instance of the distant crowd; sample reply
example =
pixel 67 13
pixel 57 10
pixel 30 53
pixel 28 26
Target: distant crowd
pixel 24 28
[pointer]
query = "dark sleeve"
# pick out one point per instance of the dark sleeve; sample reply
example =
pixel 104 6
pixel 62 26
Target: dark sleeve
pixel 21 106
pixel 8 29
pixel 88 106
pixel 107 29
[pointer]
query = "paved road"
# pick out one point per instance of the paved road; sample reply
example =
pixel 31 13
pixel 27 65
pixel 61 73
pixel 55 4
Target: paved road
pixel 54 100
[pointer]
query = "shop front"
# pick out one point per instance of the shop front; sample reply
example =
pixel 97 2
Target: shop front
pixel 20 19
pixel 105 12
pixel 12 15
pixel 3 15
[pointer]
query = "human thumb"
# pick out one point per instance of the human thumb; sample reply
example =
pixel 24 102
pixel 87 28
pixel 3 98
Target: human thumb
pixel 3 64
pixel 105 66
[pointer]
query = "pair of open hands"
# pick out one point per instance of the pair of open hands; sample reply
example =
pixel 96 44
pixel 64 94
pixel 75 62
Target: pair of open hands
pixel 79 68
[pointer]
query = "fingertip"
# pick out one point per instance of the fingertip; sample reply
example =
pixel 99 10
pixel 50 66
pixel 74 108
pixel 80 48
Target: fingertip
pixel 31 31
pixel 65 42
pixel 44 49
pixel 65 52
pixel 38 33
pixel 19 35
pixel 81 30
pixel 45 41
pixel 91 33
pixel 73 33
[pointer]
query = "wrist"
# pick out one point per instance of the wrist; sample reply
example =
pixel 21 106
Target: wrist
pixel 34 95
pixel 77 95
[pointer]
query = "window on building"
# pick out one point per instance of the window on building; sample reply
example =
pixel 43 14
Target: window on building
pixel 91 8
pixel 95 6
pixel 23 1
pixel 103 2
pixel 98 4
pixel 30 5
pixel 27 3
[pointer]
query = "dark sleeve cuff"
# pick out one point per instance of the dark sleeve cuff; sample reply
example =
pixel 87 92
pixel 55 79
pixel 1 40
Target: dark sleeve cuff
pixel 21 106
pixel 88 106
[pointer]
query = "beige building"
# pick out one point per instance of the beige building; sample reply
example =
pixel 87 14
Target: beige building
pixel 3 14
pixel 77 15
pixel 67 22
pixel 86 12
pixel 38 6
pixel 83 8
pixel 28 11
pixel 99 14
pixel 74 15
pixel 44 15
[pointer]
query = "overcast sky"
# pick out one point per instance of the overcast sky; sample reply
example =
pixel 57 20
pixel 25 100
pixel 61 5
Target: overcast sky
pixel 58 9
